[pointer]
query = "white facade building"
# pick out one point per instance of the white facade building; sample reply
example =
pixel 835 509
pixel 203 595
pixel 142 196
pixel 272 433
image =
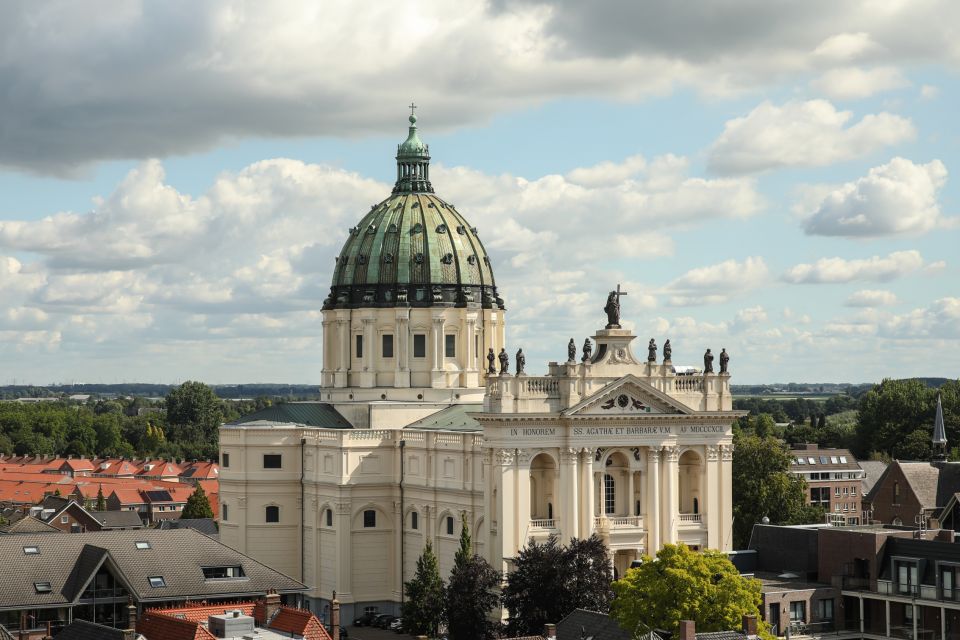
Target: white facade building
pixel 415 432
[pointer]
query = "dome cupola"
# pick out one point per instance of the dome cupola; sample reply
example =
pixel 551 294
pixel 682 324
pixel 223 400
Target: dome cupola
pixel 414 248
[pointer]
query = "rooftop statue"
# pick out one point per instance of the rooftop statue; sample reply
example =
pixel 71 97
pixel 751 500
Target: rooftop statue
pixel 652 351
pixel 724 360
pixel 587 350
pixel 521 361
pixel 491 358
pixel 667 351
pixel 613 308
pixel 571 351
pixel 504 362
pixel 708 362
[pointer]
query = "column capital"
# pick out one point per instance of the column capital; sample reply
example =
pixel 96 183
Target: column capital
pixel 726 451
pixel 713 452
pixel 568 455
pixel 504 457
pixel 653 455
pixel 671 454
pixel 524 456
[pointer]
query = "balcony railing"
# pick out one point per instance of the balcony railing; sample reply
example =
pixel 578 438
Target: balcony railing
pixel 691 517
pixel 543 523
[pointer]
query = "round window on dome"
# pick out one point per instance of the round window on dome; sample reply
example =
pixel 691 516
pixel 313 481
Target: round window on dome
pixel 418 258
pixel 441 228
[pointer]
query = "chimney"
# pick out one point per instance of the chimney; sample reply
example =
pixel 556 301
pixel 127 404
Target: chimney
pixel 750 626
pixel 131 614
pixel 550 631
pixel 335 617
pixel 688 630
pixel 271 604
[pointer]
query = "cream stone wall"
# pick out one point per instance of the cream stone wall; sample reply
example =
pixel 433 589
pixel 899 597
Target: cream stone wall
pixel 474 331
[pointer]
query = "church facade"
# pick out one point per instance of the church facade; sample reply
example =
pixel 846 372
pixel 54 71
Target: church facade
pixel 421 424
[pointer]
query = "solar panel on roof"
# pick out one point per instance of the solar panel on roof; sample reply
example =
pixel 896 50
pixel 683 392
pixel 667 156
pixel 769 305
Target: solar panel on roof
pixel 159 496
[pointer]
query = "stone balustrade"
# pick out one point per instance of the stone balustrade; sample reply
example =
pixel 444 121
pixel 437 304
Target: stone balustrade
pixel 543 523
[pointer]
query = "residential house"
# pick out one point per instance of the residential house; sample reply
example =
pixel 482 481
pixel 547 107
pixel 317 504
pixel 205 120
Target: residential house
pixel 834 480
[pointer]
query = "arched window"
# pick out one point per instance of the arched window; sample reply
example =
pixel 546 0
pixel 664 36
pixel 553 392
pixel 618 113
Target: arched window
pixel 696 505
pixel 896 492
pixel 272 513
pixel 414 520
pixel 550 511
pixel 329 517
pixel 449 525
pixel 609 495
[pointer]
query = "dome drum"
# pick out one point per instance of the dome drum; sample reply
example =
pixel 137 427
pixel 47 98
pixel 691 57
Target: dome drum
pixel 413 295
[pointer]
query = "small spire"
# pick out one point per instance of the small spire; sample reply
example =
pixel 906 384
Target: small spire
pixel 939 435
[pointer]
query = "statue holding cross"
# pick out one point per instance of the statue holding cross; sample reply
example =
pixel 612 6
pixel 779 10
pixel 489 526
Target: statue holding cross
pixel 613 308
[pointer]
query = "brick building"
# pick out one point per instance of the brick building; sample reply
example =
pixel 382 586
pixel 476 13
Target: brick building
pixel 834 480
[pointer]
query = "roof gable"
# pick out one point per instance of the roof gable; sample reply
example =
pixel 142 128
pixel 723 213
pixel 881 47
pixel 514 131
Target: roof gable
pixel 628 395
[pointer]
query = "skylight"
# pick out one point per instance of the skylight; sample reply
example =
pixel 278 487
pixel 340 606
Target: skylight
pixel 157 581
pixel 142 544
pixel 42 587
pixel 31 551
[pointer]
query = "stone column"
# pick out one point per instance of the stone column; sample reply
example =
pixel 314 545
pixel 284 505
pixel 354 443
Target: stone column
pixel 437 376
pixel 401 349
pixel 630 496
pixel 726 497
pixel 341 377
pixel 651 521
pixel 522 483
pixel 505 460
pixel 567 492
pixel 671 495
pixel 710 503
pixel 587 493
pixel 368 376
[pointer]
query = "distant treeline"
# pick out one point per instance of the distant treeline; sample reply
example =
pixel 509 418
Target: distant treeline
pixel 147 390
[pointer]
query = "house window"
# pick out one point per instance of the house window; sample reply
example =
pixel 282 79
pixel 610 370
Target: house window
pixel 42 587
pixel 823 459
pixel 64 519
pixel 798 612
pixel 223 512
pixel 414 520
pixel 419 345
pixel 449 525
pixel 853 491
pixel 896 492
pixel 905 573
pixel 369 519
pixel 836 492
pixel 609 494
pixel 329 516
pixel 142 544
pixel 948 582
pixel 157 581
pixel 825 609
pixel 31 551
pixel 272 461
pixel 387 350
pixel 223 573
pixel 450 345
pixel 359 346
pixel 273 513
pixel 225 460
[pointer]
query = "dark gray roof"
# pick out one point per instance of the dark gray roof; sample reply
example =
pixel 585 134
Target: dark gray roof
pixel 67 561
pixel 310 414
pixel 872 470
pixel 206 526
pixel 23 523
pixel 598 626
pixel 83 630
pixel 457 417
pixel 117 519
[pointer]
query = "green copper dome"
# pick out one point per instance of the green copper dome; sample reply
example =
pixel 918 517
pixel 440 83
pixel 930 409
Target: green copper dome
pixel 414 248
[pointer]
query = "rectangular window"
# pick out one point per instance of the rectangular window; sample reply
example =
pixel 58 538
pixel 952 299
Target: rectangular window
pixel 387 345
pixel 225 460
pixel 369 518
pixel 823 459
pixel 329 518
pixel 419 345
pixel 449 525
pixel 798 611
pixel 223 512
pixel 825 609
pixel 31 551
pixel 142 544
pixel 272 514
pixel 272 461
pixel 948 582
pixel 64 519
pixel 833 459
pixel 609 494
pixel 42 587
pixel 906 576
pixel 157 581
pixel 853 491
pixel 359 346
pixel 223 573
pixel 450 344
pixel 414 520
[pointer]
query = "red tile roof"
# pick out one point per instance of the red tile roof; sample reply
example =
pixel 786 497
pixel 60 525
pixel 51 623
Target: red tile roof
pixel 200 612
pixel 155 626
pixel 300 622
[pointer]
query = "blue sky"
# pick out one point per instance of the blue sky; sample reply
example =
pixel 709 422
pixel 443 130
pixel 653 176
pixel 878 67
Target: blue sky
pixel 777 182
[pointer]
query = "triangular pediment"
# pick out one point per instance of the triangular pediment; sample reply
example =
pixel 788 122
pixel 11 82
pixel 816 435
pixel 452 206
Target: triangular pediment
pixel 628 395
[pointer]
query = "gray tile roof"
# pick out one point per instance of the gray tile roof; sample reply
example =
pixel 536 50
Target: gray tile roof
pixel 598 626
pixel 457 417
pixel 67 561
pixel 310 414
pixel 84 630
pixel 206 526
pixel 23 523
pixel 117 519
pixel 872 470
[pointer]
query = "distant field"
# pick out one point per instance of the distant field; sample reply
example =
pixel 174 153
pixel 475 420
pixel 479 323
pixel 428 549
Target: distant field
pixel 786 396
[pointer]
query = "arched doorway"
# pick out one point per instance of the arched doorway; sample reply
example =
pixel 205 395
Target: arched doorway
pixel 691 483
pixel 543 482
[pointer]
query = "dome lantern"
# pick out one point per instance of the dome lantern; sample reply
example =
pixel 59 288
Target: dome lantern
pixel 413 161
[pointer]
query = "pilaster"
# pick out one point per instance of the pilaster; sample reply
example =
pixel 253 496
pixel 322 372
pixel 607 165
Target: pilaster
pixel 437 374
pixel 714 488
pixel 671 495
pixel 568 494
pixel 652 517
pixel 368 376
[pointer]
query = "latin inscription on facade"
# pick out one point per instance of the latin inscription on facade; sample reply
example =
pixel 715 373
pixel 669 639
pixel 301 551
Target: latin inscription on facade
pixel 653 430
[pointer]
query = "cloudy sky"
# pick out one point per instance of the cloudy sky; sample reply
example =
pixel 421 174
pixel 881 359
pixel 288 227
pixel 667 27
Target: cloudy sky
pixel 770 177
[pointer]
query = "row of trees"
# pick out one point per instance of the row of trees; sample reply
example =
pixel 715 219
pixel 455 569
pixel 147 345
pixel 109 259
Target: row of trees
pixel 184 425
pixel 550 580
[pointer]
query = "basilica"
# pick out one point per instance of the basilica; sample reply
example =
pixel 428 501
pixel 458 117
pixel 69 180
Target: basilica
pixel 426 421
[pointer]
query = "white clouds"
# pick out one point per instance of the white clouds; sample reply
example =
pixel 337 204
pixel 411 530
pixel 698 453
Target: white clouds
pixel 871 298
pixel 154 79
pixel 899 197
pixel 717 283
pixel 811 133
pixel 837 270
pixel 852 83
pixel 941 320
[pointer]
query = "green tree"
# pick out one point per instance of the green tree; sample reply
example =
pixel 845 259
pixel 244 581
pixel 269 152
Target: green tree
pixel 680 584
pixel 423 607
pixel 198 505
pixel 763 487
pixel 101 501
pixel 890 413
pixel 471 593
pixel 194 412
